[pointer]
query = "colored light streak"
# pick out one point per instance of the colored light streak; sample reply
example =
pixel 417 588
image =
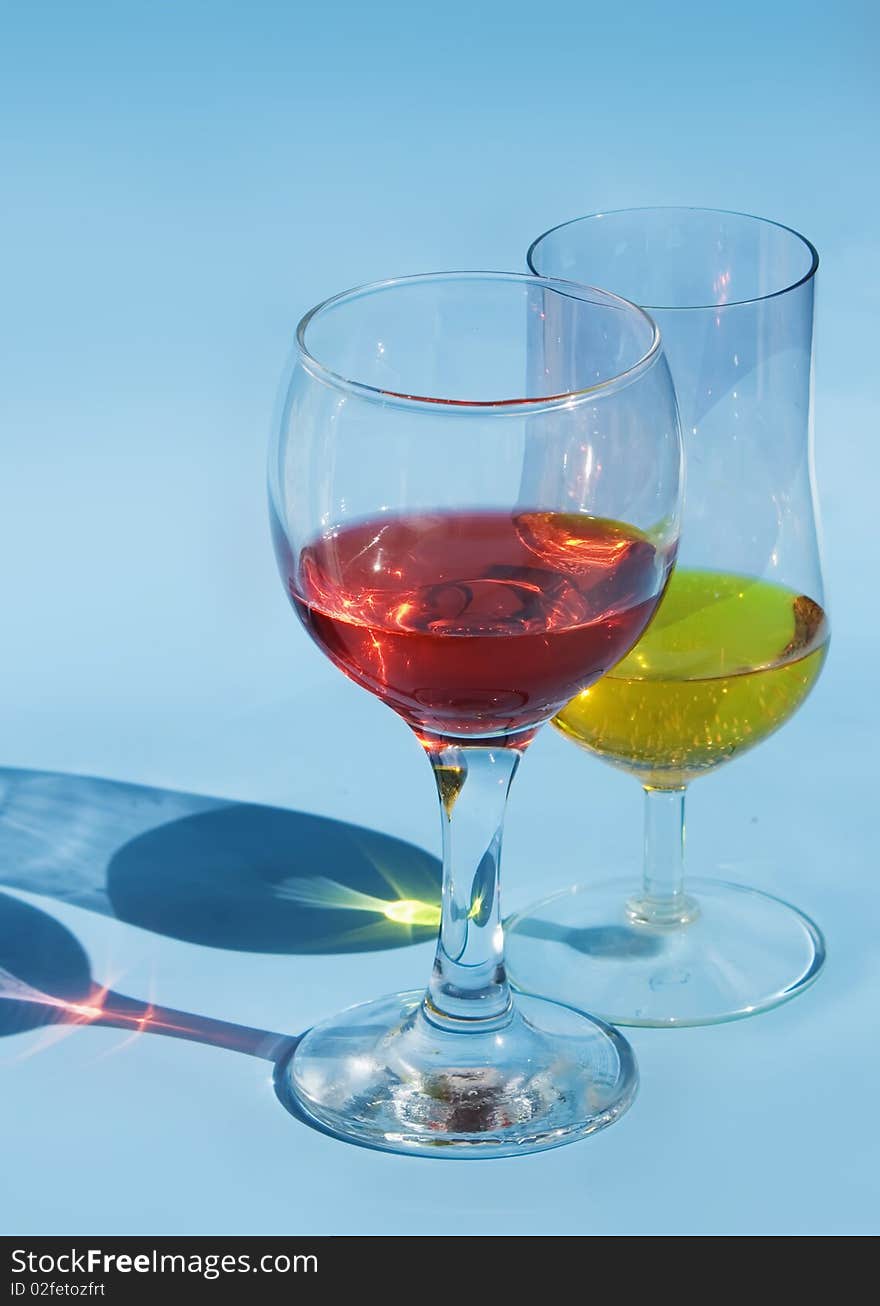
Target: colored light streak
pixel 321 892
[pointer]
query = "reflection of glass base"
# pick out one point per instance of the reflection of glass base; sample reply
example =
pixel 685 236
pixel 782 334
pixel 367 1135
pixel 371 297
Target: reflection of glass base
pixel 743 951
pixel 384 1075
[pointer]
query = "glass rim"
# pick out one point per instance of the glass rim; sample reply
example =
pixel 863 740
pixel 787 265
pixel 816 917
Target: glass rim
pixel 517 404
pixel 691 208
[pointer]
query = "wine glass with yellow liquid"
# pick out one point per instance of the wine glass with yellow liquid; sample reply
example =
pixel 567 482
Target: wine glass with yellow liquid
pixel 739 639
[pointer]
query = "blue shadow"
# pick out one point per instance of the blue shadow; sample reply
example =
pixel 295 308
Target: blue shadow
pixel 225 875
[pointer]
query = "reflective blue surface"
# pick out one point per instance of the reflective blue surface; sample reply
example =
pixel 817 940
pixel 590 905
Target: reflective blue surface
pixel 182 188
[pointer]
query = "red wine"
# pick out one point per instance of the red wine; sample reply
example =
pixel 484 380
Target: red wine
pixel 476 623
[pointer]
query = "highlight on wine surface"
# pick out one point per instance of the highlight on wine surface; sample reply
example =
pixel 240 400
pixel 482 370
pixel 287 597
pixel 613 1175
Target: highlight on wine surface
pixel 474 525
pixel 740 637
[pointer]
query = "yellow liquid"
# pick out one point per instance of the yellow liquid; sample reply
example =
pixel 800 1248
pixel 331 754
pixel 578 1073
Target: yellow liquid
pixel 725 662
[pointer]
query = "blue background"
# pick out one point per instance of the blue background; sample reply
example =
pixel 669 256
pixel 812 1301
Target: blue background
pixel 181 181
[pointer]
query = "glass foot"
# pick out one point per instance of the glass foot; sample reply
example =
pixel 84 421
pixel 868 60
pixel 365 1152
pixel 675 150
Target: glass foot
pixel 383 1074
pixel 739 952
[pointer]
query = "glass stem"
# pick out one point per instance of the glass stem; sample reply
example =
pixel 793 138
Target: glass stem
pixel 663 901
pixel 469 981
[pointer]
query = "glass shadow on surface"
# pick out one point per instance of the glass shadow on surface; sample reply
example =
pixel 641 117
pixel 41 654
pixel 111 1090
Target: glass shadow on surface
pixel 238 876
pixel 606 941
pixel 46 979
pixel 46 982
pixel 227 875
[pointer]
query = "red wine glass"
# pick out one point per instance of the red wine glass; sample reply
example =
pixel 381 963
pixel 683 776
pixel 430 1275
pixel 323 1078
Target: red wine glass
pixel 474 486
